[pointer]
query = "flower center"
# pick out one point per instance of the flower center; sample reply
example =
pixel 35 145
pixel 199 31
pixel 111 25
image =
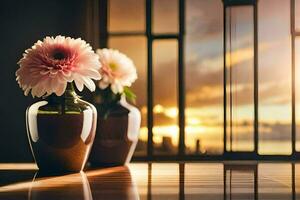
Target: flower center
pixel 113 66
pixel 58 55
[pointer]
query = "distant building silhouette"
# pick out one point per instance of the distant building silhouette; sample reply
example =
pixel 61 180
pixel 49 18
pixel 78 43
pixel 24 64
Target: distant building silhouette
pixel 166 144
pixel 198 147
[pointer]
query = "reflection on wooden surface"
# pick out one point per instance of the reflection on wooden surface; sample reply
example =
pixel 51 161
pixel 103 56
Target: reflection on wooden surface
pixel 153 181
pixel 72 187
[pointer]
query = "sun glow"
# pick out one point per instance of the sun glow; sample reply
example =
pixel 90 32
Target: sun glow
pixel 193 121
pixel 171 112
pixel 158 109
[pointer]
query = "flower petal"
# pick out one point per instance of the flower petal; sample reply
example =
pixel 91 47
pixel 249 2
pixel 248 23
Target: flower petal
pixel 50 64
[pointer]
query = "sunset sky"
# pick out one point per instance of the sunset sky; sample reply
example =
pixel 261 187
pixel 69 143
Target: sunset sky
pixel 204 71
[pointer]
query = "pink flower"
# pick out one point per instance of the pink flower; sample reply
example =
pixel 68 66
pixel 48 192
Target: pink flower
pixel 117 70
pixel 50 64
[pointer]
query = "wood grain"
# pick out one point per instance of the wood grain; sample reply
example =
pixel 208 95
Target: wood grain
pixel 155 181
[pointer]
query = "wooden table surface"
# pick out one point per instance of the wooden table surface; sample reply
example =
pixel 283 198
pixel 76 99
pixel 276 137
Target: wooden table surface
pixel 152 181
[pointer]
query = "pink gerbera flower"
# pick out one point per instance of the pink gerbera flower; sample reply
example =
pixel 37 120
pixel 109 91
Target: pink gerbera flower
pixel 50 64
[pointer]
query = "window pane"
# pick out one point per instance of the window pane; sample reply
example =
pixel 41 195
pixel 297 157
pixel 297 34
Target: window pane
pixel 240 78
pixel 126 15
pixel 165 16
pixel 136 49
pixel 204 77
pixel 165 130
pixel 297 91
pixel 274 69
pixel 297 15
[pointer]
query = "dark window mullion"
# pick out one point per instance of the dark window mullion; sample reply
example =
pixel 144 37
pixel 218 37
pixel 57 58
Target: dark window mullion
pixel 255 21
pixel 103 23
pixel 149 78
pixel 165 36
pixel 181 80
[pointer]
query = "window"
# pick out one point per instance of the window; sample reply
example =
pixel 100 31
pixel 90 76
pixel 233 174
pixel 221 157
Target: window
pixel 204 77
pixel 180 48
pixel 274 69
pixel 155 45
pixel 239 82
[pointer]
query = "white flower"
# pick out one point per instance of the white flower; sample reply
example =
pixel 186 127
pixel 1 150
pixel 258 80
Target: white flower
pixel 117 71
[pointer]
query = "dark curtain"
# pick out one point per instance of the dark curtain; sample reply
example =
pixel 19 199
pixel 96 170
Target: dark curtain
pixel 23 22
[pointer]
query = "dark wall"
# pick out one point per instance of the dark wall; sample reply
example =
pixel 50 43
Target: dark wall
pixel 23 22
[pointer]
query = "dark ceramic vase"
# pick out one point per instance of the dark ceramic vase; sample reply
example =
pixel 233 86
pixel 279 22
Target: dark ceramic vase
pixel 117 133
pixel 61 131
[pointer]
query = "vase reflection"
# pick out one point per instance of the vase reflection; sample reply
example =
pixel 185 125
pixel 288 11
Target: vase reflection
pixel 114 183
pixel 93 184
pixel 73 186
pixel 210 180
pixel 106 183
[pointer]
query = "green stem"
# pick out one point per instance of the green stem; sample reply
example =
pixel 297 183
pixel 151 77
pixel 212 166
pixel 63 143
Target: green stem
pixel 70 92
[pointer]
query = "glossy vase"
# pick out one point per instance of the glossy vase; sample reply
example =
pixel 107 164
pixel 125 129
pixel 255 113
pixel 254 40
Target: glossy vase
pixel 117 133
pixel 61 131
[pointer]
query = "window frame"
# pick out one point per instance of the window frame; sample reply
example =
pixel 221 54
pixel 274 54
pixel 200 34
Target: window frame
pixel 180 38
